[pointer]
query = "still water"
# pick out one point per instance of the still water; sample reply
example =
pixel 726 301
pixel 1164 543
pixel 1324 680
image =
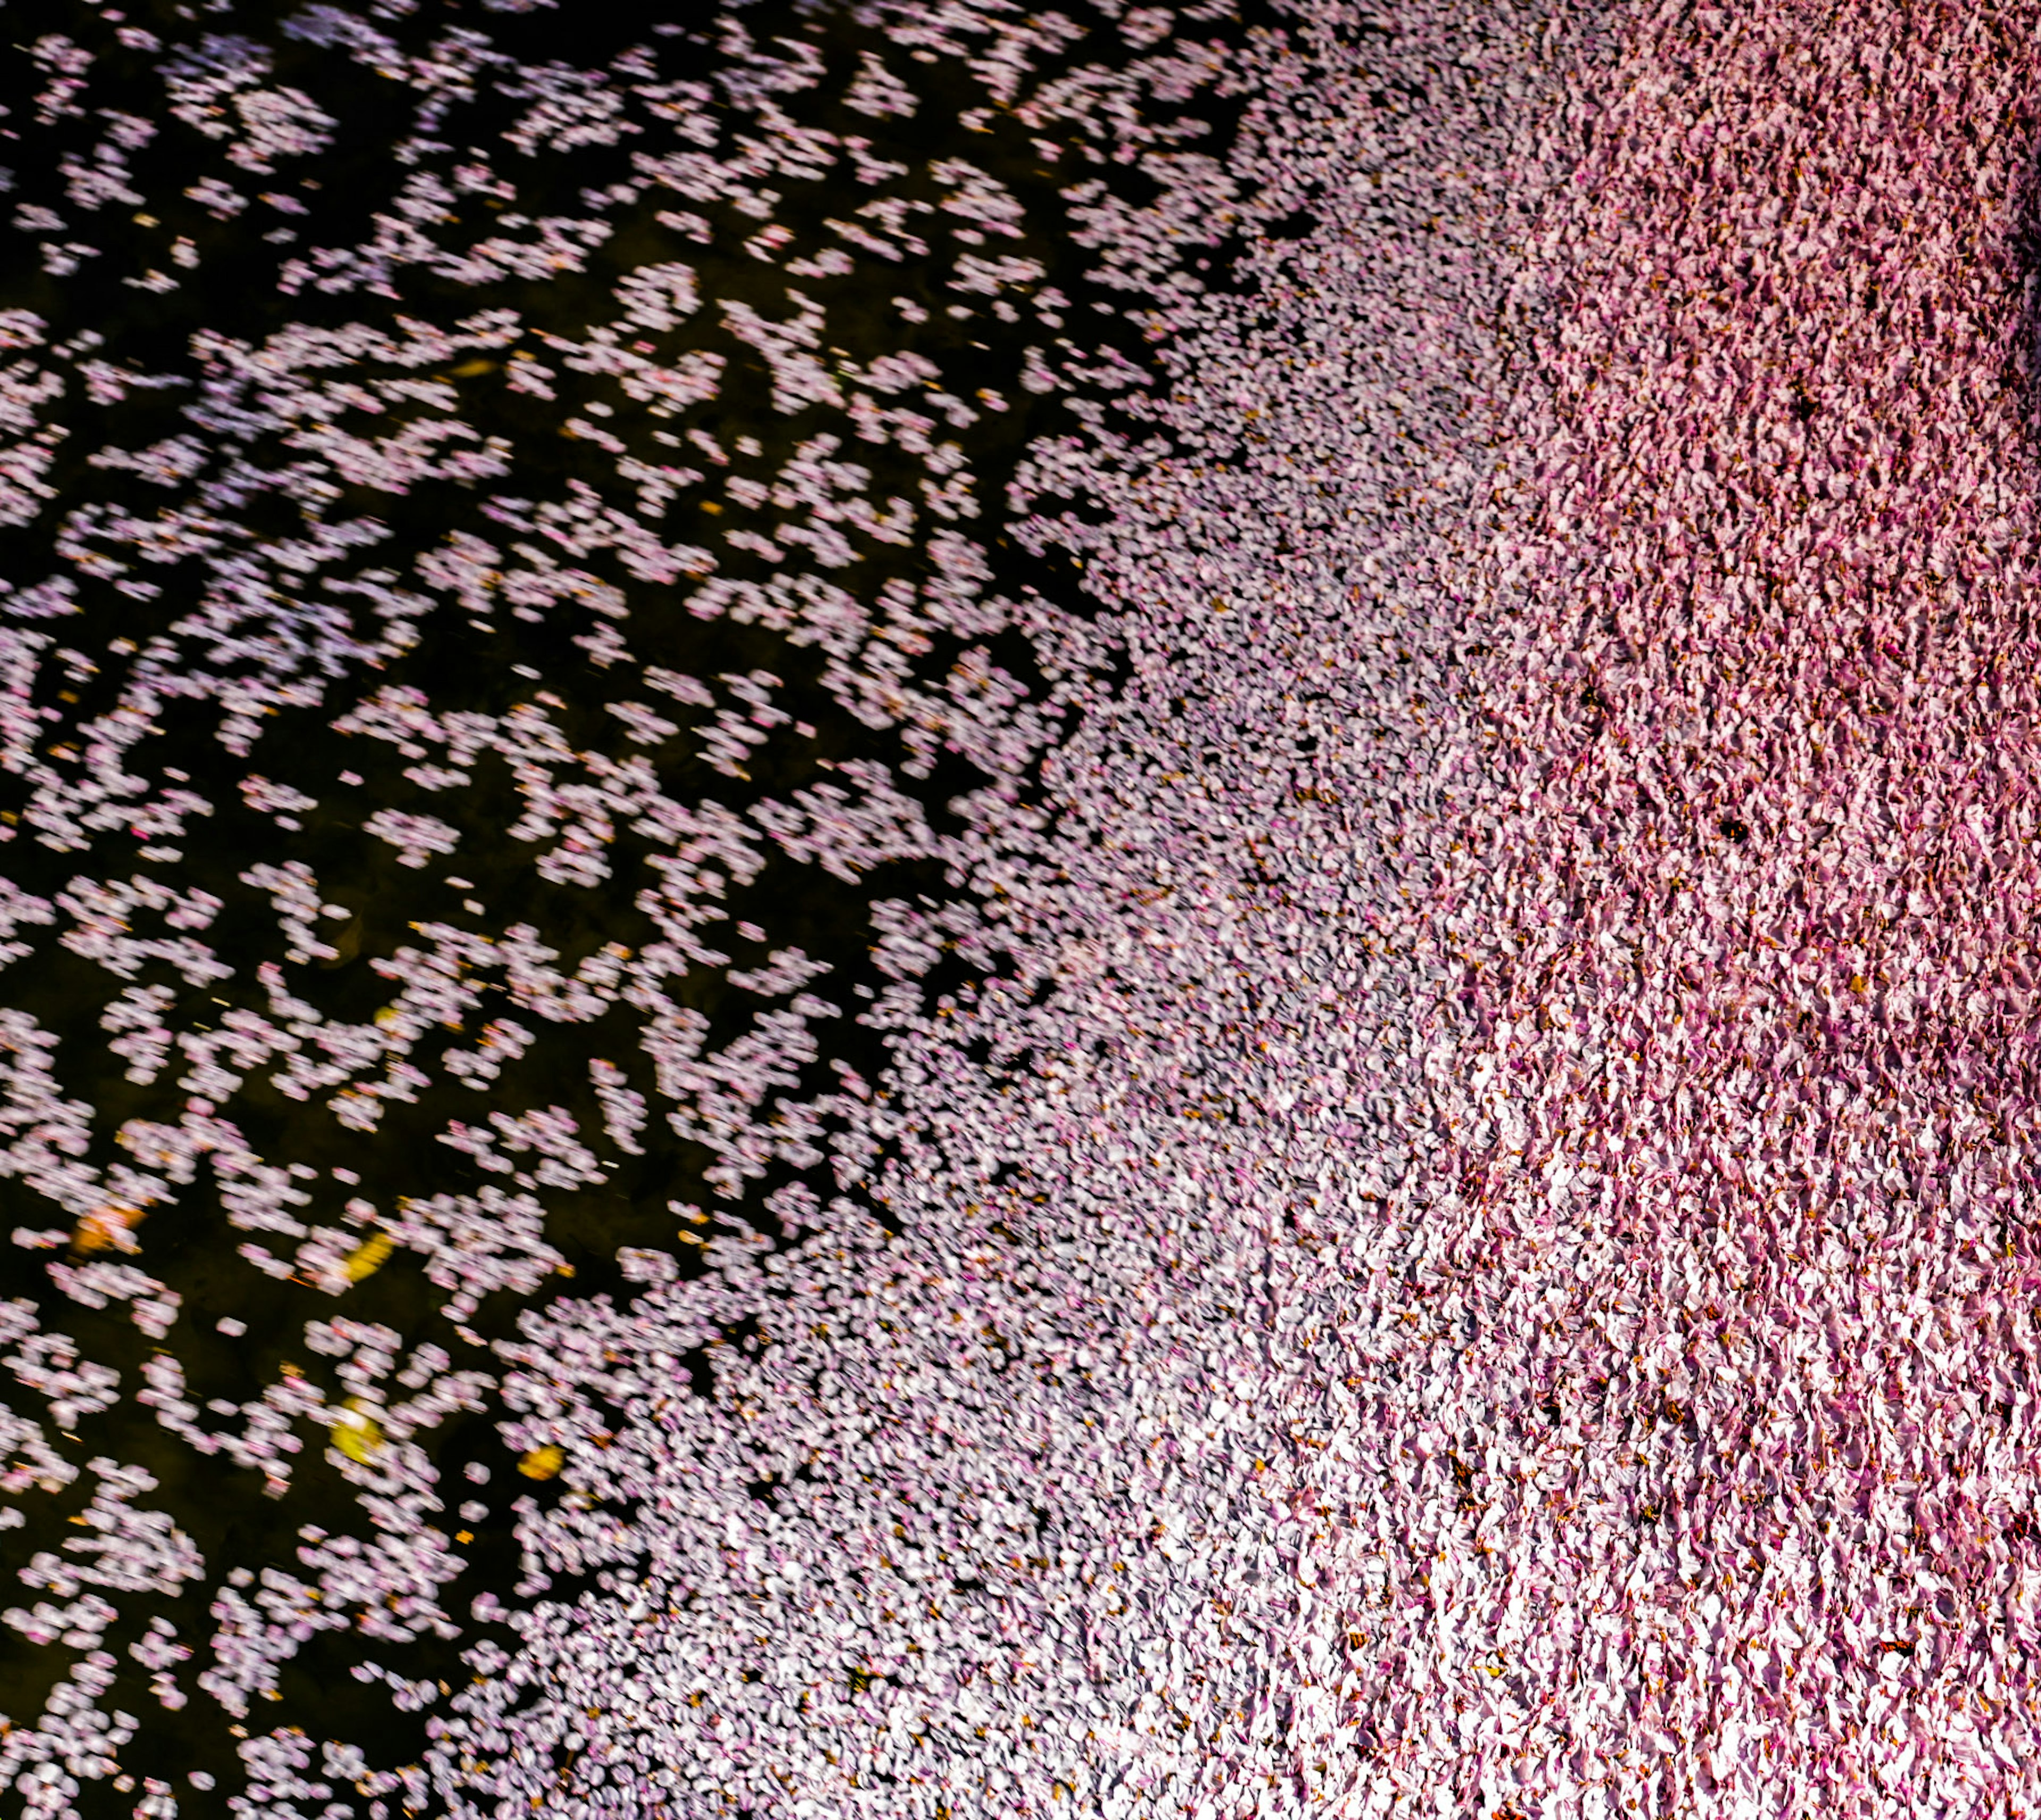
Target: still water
pixel 514 561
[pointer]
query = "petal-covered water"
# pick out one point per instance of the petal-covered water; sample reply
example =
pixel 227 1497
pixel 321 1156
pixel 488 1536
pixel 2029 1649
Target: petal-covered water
pixel 924 910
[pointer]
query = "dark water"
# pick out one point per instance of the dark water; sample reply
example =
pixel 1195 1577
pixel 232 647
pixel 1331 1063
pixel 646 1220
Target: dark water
pixel 300 580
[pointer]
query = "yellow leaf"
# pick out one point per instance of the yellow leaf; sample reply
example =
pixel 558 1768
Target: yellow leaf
pixel 357 1434
pixel 107 1225
pixel 542 1463
pixel 367 1258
